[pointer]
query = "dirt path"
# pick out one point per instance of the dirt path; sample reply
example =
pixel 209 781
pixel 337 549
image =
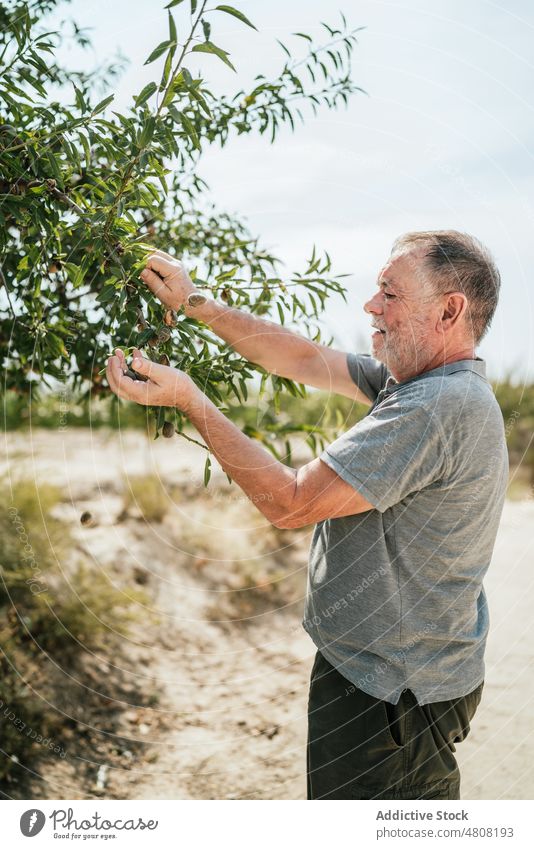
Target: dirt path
pixel 496 759
pixel 233 702
pixel 227 714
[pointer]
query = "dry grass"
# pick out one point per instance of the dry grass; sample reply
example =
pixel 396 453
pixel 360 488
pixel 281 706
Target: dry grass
pixel 217 526
pixel 147 497
pixel 52 606
pixel 235 550
pixel 520 486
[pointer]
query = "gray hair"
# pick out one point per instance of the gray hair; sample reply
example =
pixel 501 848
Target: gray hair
pixel 457 262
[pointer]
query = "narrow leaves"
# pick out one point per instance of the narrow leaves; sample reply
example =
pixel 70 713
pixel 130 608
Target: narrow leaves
pixel 236 14
pixel 172 29
pixel 158 51
pixel 207 470
pixel 187 125
pixel 102 105
pixel 145 94
pixel 209 47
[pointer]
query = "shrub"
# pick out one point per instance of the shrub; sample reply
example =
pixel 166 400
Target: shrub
pixel 31 540
pixel 49 604
pixel 147 495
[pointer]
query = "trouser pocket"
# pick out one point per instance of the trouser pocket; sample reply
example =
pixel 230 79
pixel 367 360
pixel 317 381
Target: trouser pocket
pixel 450 720
pixel 395 720
pixel 361 747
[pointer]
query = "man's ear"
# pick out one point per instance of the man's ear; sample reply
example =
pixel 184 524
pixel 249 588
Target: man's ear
pixel 454 307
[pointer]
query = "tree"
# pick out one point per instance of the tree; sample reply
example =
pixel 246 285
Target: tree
pixel 85 191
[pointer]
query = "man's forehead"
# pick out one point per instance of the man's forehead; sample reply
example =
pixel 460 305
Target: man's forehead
pixel 403 272
pixel 390 274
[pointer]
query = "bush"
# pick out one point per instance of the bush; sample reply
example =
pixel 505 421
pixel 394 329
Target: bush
pixel 87 613
pixel 146 494
pixel 61 410
pixel 31 541
pixel 50 604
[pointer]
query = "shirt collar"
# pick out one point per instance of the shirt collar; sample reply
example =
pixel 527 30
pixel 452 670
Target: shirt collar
pixel 478 366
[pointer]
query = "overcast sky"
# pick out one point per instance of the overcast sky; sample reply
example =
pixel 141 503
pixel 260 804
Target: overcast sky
pixel 444 139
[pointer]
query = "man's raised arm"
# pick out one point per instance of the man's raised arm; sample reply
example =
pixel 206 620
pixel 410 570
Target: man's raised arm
pixel 275 348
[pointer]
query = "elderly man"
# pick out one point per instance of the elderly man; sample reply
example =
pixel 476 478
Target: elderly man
pixel 407 504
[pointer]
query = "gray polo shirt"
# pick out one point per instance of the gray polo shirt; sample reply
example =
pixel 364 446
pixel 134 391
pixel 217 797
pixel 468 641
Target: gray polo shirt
pixel 395 597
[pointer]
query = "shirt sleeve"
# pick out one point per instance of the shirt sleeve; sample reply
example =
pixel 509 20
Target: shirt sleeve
pixel 396 450
pixel 368 374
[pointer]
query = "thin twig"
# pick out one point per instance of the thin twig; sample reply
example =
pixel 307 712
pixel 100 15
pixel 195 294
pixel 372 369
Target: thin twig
pixel 68 202
pixel 22 186
pixel 190 439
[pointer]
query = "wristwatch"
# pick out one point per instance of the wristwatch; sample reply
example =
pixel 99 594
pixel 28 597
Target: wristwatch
pixel 195 299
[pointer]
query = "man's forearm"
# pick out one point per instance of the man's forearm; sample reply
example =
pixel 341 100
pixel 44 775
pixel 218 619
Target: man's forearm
pixel 258 340
pixel 268 483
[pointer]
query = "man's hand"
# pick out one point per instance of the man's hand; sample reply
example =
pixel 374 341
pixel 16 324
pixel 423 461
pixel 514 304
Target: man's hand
pixel 287 498
pixel 165 387
pixel 167 278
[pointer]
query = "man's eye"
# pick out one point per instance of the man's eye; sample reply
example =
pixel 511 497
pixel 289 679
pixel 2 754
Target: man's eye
pixel 387 296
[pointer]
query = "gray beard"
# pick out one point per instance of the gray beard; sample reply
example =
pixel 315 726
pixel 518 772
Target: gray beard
pixel 406 356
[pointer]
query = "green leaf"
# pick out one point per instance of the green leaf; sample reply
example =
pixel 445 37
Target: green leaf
pixel 236 14
pixel 145 94
pixel 54 165
pixel 284 48
pixel 187 124
pixel 166 71
pixel 207 470
pixel 164 186
pixel 173 3
pixel 107 293
pixel 102 105
pixel 55 345
pixel 158 51
pixel 172 29
pixel 147 132
pixel 209 47
pixel 198 97
pixel 80 99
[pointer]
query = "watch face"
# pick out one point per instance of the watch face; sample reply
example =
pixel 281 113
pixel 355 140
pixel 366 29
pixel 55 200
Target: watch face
pixel 195 299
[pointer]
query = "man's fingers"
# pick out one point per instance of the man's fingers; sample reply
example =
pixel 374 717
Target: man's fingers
pixel 120 354
pixel 162 263
pixel 112 369
pixel 146 367
pixel 155 283
pixel 122 385
pixel 114 374
pixel 164 255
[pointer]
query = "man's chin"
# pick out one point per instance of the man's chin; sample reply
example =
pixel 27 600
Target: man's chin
pixel 379 350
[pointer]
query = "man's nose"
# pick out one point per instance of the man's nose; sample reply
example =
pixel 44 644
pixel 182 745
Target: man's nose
pixel 374 304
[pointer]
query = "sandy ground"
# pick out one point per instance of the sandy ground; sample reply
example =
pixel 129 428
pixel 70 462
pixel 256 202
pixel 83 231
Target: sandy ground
pixel 230 717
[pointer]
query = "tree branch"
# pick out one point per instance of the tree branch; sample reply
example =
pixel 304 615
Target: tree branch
pixel 20 187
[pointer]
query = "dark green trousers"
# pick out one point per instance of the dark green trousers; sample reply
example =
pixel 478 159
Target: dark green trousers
pixel 360 747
